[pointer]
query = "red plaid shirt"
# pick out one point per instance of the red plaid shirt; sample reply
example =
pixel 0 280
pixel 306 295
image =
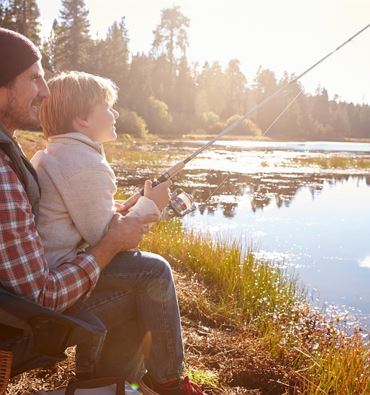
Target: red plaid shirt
pixel 23 268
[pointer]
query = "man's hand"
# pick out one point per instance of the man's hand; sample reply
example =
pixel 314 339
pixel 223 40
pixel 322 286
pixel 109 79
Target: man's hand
pixel 160 194
pixel 123 234
pixel 129 231
pixel 121 207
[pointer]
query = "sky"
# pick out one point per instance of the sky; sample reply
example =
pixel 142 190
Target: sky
pixel 280 35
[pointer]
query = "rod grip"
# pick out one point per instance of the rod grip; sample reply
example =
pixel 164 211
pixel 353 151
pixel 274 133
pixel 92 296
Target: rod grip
pixel 162 178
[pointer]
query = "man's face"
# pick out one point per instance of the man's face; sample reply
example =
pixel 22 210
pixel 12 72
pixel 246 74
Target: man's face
pixel 21 100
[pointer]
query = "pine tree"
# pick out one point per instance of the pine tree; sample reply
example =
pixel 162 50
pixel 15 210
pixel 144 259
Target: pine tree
pixel 169 45
pixel 113 54
pixel 72 39
pixel 170 36
pixel 139 86
pixel 21 16
pixel 7 15
pixel 235 94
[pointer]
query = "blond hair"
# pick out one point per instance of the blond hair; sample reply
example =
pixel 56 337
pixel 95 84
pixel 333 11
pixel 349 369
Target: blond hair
pixel 73 94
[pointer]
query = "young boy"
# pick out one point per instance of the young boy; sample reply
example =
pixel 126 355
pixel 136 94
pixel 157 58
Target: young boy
pixel 77 187
pixel 77 183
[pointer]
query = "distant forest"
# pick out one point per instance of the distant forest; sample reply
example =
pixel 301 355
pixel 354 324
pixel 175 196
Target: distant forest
pixel 162 93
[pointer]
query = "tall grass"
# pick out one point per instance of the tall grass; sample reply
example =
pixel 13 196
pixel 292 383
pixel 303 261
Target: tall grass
pixel 334 162
pixel 323 359
pixel 247 289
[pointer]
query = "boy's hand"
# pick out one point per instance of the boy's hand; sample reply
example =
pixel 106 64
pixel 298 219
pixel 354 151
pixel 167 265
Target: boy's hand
pixel 160 194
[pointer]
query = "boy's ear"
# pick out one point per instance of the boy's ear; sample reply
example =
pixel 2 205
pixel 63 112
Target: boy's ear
pixel 80 123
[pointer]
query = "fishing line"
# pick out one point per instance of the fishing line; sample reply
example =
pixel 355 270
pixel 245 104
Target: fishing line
pixel 263 134
pixel 281 113
pixel 172 171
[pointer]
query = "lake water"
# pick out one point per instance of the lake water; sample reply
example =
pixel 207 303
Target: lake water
pixel 313 222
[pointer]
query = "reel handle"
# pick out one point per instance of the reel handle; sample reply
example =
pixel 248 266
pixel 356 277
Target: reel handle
pixel 162 178
pixel 131 201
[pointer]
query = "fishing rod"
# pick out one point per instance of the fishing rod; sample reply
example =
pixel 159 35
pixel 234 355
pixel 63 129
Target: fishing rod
pixel 181 202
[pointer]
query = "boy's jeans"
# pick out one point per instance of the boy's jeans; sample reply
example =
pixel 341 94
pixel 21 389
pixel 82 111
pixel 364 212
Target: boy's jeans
pixel 141 284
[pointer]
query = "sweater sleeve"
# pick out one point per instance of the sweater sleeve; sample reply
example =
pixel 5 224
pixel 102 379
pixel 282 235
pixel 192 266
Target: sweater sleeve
pixel 89 201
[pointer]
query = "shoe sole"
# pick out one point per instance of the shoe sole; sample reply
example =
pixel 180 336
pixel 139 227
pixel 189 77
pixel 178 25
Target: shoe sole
pixel 146 390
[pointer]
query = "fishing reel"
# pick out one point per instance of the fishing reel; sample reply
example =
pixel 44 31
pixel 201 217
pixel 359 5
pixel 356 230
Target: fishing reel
pixel 181 203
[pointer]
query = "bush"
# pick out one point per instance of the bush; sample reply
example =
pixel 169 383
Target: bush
pixel 131 123
pixel 157 116
pixel 247 126
pixel 211 122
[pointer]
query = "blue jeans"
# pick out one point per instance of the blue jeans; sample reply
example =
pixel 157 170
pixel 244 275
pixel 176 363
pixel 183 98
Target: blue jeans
pixel 135 299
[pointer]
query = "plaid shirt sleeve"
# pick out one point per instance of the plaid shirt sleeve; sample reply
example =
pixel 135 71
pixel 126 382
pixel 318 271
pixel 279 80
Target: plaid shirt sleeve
pixel 23 268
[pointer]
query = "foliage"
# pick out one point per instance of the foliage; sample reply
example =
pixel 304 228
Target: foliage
pixel 260 297
pixel 112 57
pixel 131 123
pixel 333 162
pixel 157 116
pixel 211 122
pixel 21 16
pixel 170 36
pixel 176 97
pixel 72 39
pixel 246 127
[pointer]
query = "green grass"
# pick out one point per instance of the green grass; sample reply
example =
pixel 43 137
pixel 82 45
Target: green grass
pixel 333 162
pixel 261 296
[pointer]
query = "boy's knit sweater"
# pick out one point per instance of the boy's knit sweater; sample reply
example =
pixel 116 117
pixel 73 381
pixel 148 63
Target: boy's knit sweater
pixel 77 190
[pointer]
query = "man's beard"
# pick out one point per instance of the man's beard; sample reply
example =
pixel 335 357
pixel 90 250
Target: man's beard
pixel 16 117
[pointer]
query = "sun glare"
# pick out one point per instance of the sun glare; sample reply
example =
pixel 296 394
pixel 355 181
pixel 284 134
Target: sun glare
pixel 280 35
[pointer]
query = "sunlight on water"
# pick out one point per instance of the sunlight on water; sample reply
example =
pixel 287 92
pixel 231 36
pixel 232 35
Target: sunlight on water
pixel 296 146
pixel 314 222
pixel 322 235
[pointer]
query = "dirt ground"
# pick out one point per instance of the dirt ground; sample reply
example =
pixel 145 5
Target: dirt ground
pixel 237 360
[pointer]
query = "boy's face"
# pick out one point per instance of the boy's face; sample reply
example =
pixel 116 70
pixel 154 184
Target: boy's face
pixel 100 123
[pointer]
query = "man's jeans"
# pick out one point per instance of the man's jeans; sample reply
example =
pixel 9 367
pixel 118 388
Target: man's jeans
pixel 141 284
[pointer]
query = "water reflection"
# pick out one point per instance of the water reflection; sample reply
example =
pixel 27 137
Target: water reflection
pixel 316 223
pixel 263 189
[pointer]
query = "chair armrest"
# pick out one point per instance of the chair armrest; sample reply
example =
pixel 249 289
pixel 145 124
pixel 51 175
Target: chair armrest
pixel 19 312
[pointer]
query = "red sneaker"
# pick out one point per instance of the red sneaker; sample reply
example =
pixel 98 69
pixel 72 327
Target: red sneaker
pixel 182 386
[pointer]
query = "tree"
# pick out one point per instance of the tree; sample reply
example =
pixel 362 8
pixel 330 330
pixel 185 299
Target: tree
pixel 246 127
pixel 288 121
pixel 265 85
pixel 139 84
pixel 212 86
pixel 157 116
pixel 21 16
pixel 183 100
pixel 170 36
pixel 235 94
pixel 131 123
pixel 72 39
pixel 7 15
pixel 113 53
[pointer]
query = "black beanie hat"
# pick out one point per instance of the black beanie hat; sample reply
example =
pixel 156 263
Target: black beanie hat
pixel 17 53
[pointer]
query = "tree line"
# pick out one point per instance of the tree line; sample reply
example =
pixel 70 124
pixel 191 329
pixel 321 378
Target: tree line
pixel 162 93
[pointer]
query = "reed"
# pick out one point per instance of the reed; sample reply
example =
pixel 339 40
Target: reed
pixel 322 358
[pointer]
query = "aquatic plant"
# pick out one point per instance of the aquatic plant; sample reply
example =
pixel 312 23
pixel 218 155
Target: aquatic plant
pixel 318 354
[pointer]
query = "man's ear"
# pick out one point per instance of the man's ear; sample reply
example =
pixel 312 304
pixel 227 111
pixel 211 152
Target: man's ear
pixel 3 98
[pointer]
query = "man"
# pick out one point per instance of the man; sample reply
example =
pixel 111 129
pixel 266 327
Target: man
pixel 96 281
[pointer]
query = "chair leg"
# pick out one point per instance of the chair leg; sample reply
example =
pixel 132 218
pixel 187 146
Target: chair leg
pixel 6 359
pixel 96 383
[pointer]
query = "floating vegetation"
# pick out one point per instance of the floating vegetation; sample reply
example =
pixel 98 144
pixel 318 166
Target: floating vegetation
pixel 332 162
